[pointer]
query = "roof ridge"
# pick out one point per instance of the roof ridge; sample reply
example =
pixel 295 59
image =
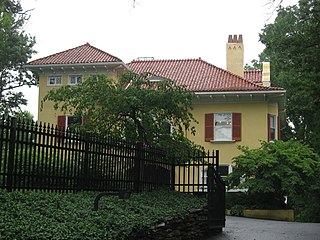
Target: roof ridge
pixel 55 54
pixel 165 60
pixel 100 50
pixel 86 47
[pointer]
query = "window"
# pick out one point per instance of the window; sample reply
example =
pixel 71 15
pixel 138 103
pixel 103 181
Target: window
pixel 273 127
pixel 54 80
pixel 167 127
pixel 224 171
pixel 69 122
pixel 222 127
pixel 73 122
pixel 75 79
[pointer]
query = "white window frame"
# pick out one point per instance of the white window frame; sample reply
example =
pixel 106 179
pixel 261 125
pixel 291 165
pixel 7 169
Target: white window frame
pixel 75 76
pixel 222 126
pixel 55 78
pixel 273 126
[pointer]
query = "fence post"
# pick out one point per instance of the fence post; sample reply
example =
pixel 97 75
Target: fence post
pixel 173 175
pixel 216 156
pixel 13 132
pixel 138 167
pixel 211 194
pixel 85 165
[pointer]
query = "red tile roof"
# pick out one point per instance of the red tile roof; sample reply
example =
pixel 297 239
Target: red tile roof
pixel 82 54
pixel 254 76
pixel 197 75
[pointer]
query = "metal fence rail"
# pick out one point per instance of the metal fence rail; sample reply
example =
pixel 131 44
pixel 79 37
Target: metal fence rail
pixel 43 157
pixel 40 156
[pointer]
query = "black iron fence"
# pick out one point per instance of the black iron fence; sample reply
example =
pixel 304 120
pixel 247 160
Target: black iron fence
pixel 45 157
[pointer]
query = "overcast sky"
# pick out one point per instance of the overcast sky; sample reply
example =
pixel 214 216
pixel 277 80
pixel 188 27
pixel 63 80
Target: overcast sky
pixel 163 29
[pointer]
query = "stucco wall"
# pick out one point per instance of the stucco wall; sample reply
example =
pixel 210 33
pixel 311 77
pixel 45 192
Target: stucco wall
pixel 47 114
pixel 253 126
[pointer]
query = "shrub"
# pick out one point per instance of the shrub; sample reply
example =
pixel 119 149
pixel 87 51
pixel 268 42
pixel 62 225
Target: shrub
pixel 281 169
pixel 237 210
pixel 41 215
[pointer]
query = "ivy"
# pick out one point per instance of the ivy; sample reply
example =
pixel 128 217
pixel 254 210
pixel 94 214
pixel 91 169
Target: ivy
pixel 41 215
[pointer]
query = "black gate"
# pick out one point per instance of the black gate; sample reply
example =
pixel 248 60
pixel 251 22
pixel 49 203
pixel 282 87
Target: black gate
pixel 200 176
pixel 216 199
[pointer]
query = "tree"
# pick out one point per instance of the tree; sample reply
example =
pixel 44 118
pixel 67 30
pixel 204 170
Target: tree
pixel 15 50
pixel 281 169
pixel 134 108
pixel 24 116
pixel 292 43
pixel 255 65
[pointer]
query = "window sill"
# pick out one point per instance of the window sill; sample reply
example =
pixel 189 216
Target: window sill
pixel 223 141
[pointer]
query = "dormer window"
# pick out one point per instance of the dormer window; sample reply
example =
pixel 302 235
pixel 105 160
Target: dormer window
pixel 75 79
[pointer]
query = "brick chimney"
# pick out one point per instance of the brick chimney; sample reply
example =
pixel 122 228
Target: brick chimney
pixel 235 55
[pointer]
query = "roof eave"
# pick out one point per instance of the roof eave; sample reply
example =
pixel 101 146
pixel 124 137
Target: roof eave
pixel 278 96
pixel 35 66
pixel 240 92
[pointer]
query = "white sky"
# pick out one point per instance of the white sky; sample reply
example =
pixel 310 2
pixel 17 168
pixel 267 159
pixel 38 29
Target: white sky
pixel 163 29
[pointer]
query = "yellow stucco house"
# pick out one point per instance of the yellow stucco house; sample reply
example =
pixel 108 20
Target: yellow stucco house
pixel 233 106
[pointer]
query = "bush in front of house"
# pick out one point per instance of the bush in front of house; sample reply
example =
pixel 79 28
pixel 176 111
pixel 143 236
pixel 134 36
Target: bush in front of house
pixel 42 215
pixel 254 201
pixel 278 169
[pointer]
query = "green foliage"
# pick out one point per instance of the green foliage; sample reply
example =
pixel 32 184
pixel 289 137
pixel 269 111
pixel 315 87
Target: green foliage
pixel 255 65
pixel 292 43
pixel 280 169
pixel 254 200
pixel 40 215
pixel 132 108
pixel 237 210
pixel 15 50
pixel 24 116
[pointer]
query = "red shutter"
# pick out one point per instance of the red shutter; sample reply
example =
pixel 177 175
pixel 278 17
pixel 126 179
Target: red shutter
pixel 208 124
pixel 61 129
pixel 268 126
pixel 62 122
pixel 236 126
pixel 278 128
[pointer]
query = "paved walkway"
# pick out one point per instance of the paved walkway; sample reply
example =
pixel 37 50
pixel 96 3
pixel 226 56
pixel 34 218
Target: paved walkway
pixel 239 228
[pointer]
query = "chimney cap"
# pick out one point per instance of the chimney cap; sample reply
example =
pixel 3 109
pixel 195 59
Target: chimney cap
pixel 235 38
